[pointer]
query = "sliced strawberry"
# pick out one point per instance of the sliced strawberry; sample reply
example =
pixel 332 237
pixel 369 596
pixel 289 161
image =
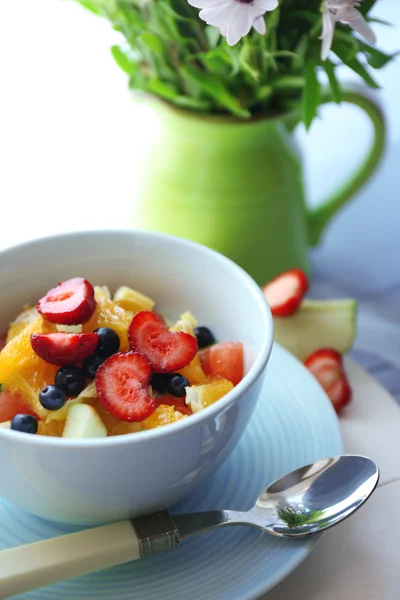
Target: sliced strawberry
pixel 285 293
pixel 167 351
pixel 11 404
pixel 224 360
pixel 70 303
pixel 122 382
pixel 327 367
pixel 177 403
pixel 63 348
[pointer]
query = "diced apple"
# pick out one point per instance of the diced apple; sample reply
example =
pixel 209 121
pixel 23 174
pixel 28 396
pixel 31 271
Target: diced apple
pixel 83 422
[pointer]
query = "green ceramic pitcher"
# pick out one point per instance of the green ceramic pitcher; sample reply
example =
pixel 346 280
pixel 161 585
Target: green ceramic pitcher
pixel 237 186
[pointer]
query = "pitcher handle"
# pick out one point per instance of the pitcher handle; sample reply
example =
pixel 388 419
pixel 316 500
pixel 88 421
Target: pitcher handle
pixel 319 217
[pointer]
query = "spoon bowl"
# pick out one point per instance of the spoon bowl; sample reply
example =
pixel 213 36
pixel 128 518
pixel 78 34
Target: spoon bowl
pixel 317 496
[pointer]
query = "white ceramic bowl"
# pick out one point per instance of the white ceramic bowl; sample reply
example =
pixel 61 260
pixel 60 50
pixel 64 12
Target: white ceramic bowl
pixel 92 481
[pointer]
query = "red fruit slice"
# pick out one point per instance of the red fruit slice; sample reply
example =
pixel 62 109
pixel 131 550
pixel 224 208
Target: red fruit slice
pixel 64 348
pixel 70 303
pixel 122 382
pixel 177 403
pixel 166 350
pixel 224 360
pixel 11 404
pixel 285 293
pixel 327 367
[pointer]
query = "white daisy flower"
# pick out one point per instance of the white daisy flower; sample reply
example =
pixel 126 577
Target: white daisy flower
pixel 235 18
pixel 344 11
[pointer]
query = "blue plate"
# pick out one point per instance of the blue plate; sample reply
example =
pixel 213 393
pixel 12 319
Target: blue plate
pixel 294 424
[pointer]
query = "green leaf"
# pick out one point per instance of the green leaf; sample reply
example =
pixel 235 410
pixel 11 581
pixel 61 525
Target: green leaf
pixel 123 61
pixel 288 82
pixel 357 67
pixel 161 89
pixel 212 86
pixel 311 94
pixel 376 58
pixel 193 103
pixel 93 5
pixel 335 86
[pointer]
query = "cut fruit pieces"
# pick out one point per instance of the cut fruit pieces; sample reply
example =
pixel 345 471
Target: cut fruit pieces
pixel 130 299
pixel 29 315
pixel 109 314
pixel 11 404
pixel 70 303
pixel 225 360
pixel 83 422
pixel 318 324
pixel 199 397
pixel 163 415
pixel 5 425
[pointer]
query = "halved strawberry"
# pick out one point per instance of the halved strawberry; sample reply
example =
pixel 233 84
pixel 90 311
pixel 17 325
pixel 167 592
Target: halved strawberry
pixel 327 367
pixel 224 360
pixel 167 351
pixel 63 348
pixel 285 292
pixel 70 303
pixel 122 382
pixel 177 403
pixel 11 404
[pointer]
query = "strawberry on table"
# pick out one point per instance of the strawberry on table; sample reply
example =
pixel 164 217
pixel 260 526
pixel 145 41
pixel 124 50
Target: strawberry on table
pixel 122 382
pixel 70 303
pixel 327 367
pixel 224 360
pixel 166 350
pixel 285 292
pixel 63 348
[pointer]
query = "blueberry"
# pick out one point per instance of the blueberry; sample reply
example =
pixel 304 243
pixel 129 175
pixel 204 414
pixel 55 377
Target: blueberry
pixel 91 364
pixel 159 382
pixel 52 398
pixel 24 423
pixel 204 336
pixel 108 342
pixel 70 380
pixel 176 385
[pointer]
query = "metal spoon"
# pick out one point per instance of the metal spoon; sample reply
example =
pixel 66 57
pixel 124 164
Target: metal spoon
pixel 304 502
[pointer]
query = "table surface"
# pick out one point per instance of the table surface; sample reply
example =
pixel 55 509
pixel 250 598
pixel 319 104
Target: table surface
pixel 64 104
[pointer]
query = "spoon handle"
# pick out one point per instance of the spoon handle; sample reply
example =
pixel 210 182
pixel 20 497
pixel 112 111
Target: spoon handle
pixel 43 563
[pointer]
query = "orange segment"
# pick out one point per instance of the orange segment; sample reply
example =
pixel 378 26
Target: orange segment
pixel 194 372
pixel 18 353
pixel 53 428
pixel 29 315
pixel 109 314
pixel 201 396
pixel 114 425
pixel 163 415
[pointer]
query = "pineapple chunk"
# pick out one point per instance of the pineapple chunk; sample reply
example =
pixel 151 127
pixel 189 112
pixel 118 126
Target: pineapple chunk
pixel 201 396
pixel 130 299
pixel 5 425
pixel 186 323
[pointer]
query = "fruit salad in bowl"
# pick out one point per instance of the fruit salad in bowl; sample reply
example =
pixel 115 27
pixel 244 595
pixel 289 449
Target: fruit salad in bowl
pixel 85 362
pixel 140 370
